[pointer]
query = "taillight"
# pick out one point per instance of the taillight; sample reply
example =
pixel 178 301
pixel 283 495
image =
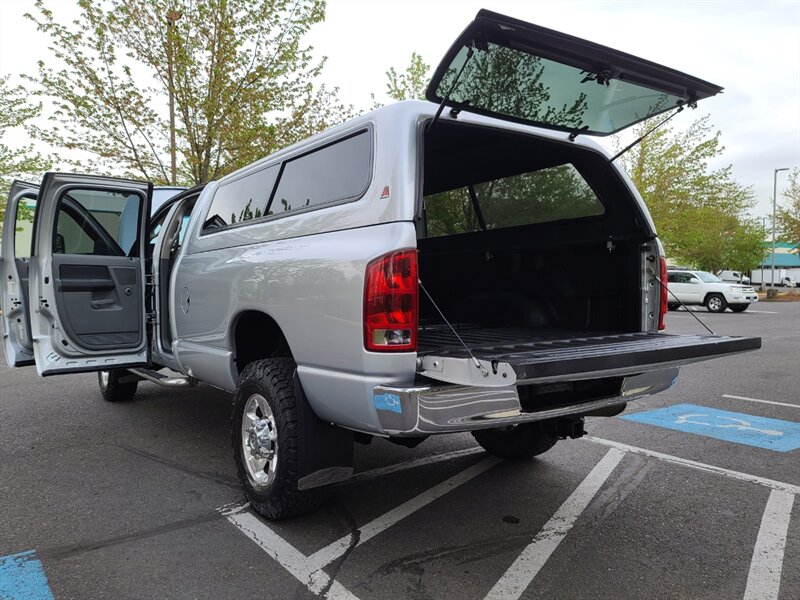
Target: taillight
pixel 662 309
pixel 391 303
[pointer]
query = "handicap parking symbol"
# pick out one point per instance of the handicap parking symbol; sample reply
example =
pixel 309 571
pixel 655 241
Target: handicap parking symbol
pixel 761 432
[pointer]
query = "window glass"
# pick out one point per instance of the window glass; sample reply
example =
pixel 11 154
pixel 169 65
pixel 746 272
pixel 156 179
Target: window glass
pixel 672 277
pixel 551 194
pixel 97 222
pixel 336 172
pixel 241 200
pixel 511 82
pixel 707 277
pixel 24 227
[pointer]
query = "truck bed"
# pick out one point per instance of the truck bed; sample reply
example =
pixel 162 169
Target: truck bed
pixel 552 355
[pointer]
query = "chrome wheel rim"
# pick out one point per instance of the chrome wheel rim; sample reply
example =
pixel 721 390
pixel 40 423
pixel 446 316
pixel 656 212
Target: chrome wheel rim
pixel 259 441
pixel 714 303
pixel 103 375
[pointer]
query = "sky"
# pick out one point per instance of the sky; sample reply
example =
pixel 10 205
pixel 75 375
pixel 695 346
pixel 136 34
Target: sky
pixel 752 49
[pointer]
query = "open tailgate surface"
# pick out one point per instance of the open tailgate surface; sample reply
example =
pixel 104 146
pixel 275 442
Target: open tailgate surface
pixel 555 356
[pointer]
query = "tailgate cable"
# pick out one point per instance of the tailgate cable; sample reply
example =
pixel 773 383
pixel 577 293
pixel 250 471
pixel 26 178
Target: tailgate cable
pixel 475 361
pixel 691 312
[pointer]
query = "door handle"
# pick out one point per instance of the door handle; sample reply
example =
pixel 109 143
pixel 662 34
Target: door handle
pixel 101 303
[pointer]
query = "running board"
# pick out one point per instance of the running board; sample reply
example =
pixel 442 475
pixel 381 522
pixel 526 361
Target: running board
pixel 164 380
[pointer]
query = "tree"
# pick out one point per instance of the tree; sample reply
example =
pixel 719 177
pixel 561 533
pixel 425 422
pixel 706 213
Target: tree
pixel 20 163
pixel 788 216
pixel 235 71
pixel 409 84
pixel 700 213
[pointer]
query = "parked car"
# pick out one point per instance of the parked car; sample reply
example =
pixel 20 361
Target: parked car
pixel 414 271
pixel 691 287
pixel 734 277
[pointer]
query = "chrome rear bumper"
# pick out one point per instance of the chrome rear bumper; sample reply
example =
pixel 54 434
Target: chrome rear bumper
pixel 423 410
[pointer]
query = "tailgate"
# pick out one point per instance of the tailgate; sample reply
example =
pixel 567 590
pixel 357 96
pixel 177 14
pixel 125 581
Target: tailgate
pixel 606 355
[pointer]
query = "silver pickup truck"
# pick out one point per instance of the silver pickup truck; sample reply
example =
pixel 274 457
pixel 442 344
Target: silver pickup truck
pixel 474 262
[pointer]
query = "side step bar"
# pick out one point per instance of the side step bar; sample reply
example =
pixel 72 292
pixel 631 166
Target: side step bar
pixel 164 380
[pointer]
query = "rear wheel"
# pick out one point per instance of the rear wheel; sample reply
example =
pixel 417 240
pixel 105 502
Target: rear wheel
pixel 112 389
pixel 715 303
pixel 673 306
pixel 738 307
pixel 516 442
pixel 266 438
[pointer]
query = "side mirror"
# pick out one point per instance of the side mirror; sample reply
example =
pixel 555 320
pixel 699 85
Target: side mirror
pixel 695 280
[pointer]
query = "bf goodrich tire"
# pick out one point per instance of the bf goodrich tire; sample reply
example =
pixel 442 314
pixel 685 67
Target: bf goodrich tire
pixel 738 307
pixel 111 388
pixel 266 439
pixel 514 443
pixel 716 303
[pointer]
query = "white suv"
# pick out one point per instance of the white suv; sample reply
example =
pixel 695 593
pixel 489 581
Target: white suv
pixel 706 289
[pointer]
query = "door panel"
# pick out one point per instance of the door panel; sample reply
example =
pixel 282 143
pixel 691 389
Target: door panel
pixel 88 274
pixel 14 263
pixel 99 298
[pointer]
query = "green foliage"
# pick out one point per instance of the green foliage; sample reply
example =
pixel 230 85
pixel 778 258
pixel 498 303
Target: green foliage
pixel 788 215
pixel 410 84
pixel 700 213
pixel 407 85
pixel 21 163
pixel 237 69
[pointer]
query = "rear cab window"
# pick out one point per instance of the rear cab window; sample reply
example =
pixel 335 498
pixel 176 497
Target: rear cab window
pixel 540 196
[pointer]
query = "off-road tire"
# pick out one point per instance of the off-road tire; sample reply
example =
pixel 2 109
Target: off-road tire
pixel 515 443
pixel 738 307
pixel 111 388
pixel 716 303
pixel 274 379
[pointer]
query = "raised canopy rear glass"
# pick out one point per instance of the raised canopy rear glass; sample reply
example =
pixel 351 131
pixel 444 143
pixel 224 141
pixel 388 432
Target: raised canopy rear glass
pixel 521 72
pixel 517 84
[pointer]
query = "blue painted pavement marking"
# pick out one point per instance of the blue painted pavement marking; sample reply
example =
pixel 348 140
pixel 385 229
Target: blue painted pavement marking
pixel 771 434
pixel 22 578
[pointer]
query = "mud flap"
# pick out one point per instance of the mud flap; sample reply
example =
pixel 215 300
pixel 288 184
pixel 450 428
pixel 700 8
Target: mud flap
pixel 326 451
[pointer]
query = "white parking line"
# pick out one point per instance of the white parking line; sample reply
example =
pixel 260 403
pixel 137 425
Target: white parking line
pixel 332 551
pixel 763 312
pixel 309 569
pixel 761 401
pixel 764 579
pixel 523 570
pixel 770 483
pixel 289 557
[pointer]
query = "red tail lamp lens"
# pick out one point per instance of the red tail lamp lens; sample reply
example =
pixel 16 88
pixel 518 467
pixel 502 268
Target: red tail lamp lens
pixel 391 303
pixel 662 309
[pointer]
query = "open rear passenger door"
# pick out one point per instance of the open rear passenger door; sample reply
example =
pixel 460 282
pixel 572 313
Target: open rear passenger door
pixel 87 275
pixel 16 251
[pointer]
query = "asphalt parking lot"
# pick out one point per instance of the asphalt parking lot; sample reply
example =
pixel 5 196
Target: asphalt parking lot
pixel 140 500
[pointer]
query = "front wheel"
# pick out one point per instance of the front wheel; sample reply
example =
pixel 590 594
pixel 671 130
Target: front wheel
pixel 738 307
pixel 516 442
pixel 266 438
pixel 716 303
pixel 114 390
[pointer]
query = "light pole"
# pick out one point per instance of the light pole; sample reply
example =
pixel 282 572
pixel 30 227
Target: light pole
pixel 774 196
